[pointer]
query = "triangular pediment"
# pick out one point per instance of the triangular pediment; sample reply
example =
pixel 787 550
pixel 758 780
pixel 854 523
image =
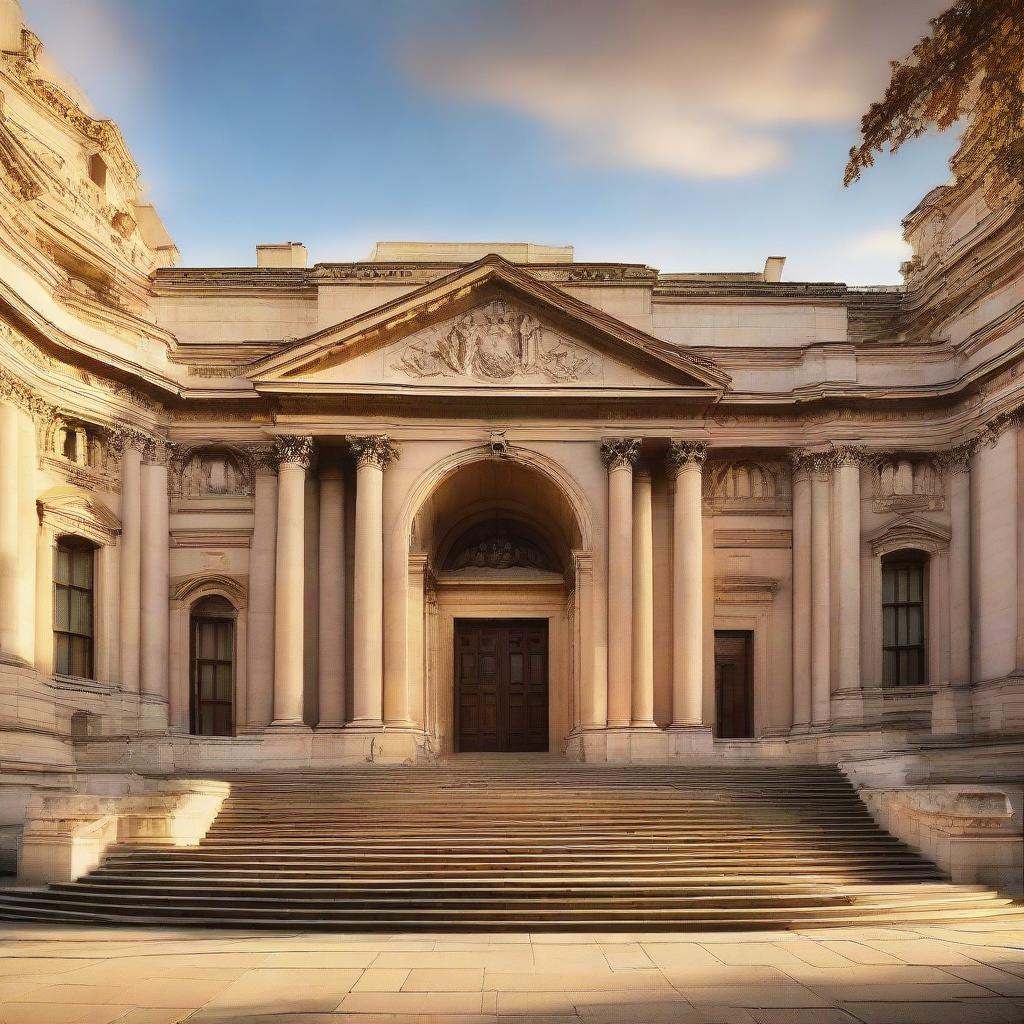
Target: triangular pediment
pixel 487 326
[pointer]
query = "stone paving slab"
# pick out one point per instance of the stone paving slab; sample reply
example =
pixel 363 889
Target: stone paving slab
pixel 926 975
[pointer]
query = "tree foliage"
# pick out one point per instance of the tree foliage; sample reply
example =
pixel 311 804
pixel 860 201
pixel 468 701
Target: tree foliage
pixel 970 64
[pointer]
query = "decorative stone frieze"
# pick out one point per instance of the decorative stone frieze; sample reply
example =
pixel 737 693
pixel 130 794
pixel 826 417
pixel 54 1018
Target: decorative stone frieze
pixel 902 482
pixel 262 457
pixel 682 452
pixel 622 451
pixel 297 449
pixel 747 486
pixel 373 449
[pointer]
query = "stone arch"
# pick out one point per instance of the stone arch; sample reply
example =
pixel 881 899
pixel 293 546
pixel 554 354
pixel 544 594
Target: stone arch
pixel 556 474
pixel 530 496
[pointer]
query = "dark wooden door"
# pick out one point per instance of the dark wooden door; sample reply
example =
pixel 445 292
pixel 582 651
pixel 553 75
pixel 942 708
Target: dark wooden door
pixel 734 699
pixel 501 684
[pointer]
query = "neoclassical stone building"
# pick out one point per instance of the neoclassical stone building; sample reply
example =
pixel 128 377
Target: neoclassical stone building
pixel 479 497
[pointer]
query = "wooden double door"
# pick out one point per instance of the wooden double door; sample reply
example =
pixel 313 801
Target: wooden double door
pixel 501 684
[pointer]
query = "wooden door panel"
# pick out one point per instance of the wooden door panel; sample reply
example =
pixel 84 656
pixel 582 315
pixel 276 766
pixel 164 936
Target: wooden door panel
pixel 502 684
pixel 734 704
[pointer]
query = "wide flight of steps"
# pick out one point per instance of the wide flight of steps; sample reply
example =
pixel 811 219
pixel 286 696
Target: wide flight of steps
pixel 524 843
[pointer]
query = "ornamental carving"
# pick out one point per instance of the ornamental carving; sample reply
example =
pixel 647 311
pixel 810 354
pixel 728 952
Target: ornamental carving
pixel 747 486
pixel 498 545
pixel 683 453
pixel 373 450
pixel 902 483
pixel 494 342
pixel 123 437
pixel 815 463
pixel 622 451
pixel 295 449
pixel 211 472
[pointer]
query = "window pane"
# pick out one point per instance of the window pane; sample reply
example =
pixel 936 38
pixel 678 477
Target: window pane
pixel 61 608
pixel 916 578
pixel 888 627
pixel 223 682
pixel 62 655
pixel 80 612
pixel 889 668
pixel 914 625
pixel 224 641
pixel 207 641
pixel 515 668
pixel 901 584
pixel 888 585
pixel 81 569
pixel 913 669
pixel 901 626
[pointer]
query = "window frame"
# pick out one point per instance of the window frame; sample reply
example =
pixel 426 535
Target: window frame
pixel 894 562
pixel 75 547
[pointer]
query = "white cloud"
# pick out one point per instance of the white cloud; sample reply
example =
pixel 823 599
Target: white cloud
pixel 685 87
pixel 880 242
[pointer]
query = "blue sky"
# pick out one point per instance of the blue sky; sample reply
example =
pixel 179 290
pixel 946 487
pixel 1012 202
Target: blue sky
pixel 687 134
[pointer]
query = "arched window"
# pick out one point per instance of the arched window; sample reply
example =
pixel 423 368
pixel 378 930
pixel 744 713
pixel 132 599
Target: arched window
pixel 904 618
pixel 73 607
pixel 213 667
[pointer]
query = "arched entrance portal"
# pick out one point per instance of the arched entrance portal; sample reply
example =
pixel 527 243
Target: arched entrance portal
pixel 500 548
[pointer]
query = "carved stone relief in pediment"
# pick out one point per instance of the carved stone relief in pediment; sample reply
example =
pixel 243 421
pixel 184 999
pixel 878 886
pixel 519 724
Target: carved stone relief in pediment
pixel 494 342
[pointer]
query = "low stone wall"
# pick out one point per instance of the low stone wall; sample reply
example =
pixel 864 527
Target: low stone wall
pixel 67 835
pixel 971 831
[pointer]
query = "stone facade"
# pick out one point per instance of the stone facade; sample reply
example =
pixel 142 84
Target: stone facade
pixel 342 463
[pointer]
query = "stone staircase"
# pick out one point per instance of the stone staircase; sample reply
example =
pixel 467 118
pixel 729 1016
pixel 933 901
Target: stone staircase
pixel 524 843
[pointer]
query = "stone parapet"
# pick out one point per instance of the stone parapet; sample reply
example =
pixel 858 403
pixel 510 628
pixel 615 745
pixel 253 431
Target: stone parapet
pixel 971 831
pixel 67 835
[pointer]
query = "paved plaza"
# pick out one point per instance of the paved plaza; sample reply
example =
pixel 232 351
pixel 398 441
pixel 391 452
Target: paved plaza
pixel 968 974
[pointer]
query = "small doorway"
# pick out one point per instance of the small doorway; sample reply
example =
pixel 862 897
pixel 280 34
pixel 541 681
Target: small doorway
pixel 734 698
pixel 501 684
pixel 213 667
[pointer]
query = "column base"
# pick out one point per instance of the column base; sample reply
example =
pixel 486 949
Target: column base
pixel 644 725
pixel 329 727
pixel 405 725
pixel 289 725
pixel 690 739
pixel 365 724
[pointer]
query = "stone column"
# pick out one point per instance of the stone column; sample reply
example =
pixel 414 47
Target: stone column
pixel 951 705
pixel 294 455
pixel 619 456
pixel 846 494
pixel 259 696
pixel 130 444
pixel 801 594
pixel 155 539
pixel 372 453
pixel 28 527
pixel 9 629
pixel 1019 660
pixel 331 678
pixel 46 542
pixel 685 461
pixel 821 587
pixel 643 601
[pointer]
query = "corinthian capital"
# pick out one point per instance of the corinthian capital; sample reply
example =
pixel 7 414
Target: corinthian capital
pixel 123 437
pixel 623 451
pixel 294 448
pixel 372 449
pixel 814 463
pixel 958 459
pixel 847 455
pixel 682 453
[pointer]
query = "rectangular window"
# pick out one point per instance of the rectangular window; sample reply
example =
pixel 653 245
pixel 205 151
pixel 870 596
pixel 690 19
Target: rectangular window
pixel 213 643
pixel 73 608
pixel 903 623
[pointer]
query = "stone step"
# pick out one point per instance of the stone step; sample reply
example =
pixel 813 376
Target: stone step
pixel 534 844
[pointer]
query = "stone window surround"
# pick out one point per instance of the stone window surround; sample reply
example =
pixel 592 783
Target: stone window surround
pixel 908 533
pixel 75 514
